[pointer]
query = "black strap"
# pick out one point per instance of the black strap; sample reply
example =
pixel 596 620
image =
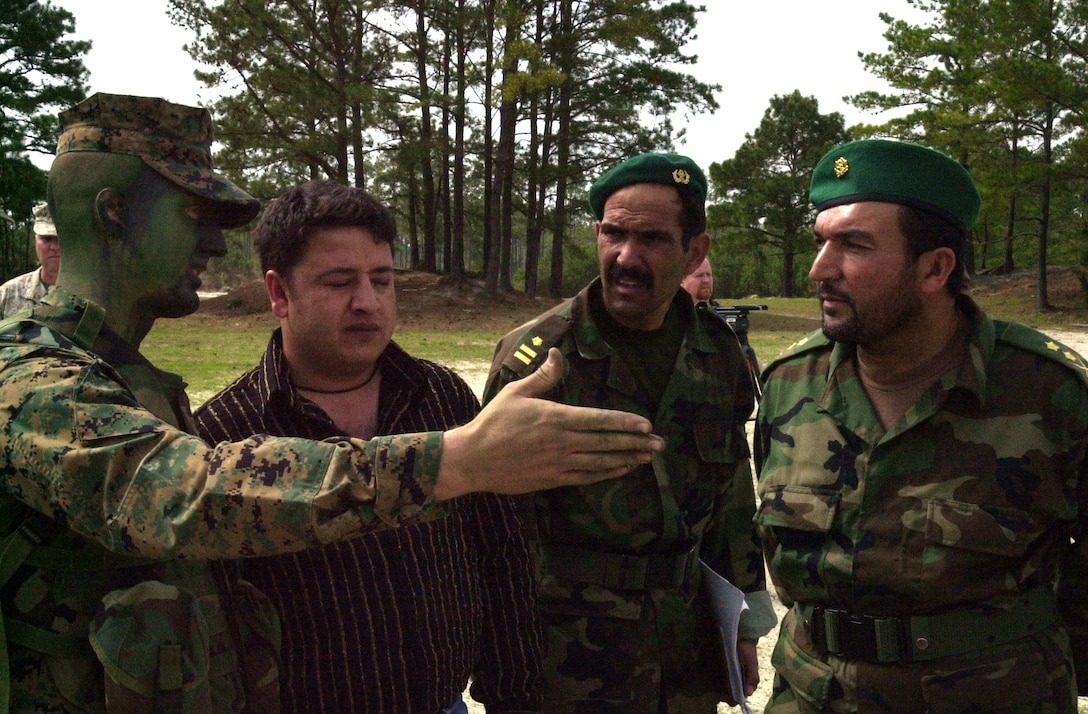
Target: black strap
pixel 917 638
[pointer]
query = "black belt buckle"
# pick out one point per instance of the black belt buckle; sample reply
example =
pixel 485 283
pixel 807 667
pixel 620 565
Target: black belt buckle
pixel 857 636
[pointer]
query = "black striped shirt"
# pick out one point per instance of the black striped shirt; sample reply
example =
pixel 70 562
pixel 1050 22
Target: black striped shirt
pixel 396 621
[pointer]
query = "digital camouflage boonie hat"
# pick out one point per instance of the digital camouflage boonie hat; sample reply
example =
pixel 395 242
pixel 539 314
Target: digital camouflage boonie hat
pixel 43 222
pixel 173 139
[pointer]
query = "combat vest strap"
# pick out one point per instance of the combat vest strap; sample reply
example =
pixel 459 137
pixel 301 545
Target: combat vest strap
pixel 917 638
pixel 90 324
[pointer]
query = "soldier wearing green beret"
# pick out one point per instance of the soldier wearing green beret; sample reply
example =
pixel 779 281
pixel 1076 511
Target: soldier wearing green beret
pixel 922 467
pixel 108 501
pixel 627 624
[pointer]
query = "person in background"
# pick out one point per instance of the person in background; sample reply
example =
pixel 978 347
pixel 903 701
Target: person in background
pixel 700 283
pixel 412 612
pixel 27 290
pixel 923 472
pixel 628 627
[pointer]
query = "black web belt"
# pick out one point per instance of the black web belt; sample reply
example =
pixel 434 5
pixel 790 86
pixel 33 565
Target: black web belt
pixel 617 571
pixel 879 640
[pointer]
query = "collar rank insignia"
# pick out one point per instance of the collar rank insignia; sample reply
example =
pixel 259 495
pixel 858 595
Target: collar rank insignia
pixel 527 354
pixel 681 176
pixel 1070 356
pixel 842 167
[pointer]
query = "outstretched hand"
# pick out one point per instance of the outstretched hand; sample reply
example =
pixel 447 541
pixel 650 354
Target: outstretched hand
pixel 521 442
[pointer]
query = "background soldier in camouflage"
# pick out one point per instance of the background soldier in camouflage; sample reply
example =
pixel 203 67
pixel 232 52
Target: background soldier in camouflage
pixel 95 448
pixel 627 627
pixel 922 467
pixel 27 290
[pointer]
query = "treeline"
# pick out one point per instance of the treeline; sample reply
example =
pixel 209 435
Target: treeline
pixel 1002 86
pixel 482 122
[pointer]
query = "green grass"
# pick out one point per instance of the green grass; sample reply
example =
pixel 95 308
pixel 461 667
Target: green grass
pixel 209 353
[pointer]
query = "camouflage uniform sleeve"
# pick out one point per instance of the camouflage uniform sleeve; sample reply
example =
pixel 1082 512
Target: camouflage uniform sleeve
pixel 76 445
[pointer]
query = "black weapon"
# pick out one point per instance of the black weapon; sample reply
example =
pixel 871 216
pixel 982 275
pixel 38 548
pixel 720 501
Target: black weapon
pixel 737 317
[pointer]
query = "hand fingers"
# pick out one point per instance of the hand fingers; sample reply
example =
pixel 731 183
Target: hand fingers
pixel 591 420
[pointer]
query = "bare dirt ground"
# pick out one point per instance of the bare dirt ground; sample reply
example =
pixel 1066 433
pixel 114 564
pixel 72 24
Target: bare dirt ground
pixel 427 302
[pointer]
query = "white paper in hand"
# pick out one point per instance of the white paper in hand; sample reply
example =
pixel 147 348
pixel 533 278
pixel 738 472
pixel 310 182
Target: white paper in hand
pixel 728 603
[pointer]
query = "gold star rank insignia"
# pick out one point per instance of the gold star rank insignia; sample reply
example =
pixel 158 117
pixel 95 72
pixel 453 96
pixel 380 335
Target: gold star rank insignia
pixel 1072 357
pixel 681 176
pixel 842 167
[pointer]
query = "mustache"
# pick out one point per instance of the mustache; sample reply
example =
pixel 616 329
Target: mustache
pixel 827 293
pixel 616 273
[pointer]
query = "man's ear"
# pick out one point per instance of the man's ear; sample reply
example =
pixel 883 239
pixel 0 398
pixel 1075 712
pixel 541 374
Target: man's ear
pixel 109 213
pixel 276 285
pixel 935 267
pixel 697 252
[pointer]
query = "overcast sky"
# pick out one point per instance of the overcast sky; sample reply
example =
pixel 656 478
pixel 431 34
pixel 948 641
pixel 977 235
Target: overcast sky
pixel 753 49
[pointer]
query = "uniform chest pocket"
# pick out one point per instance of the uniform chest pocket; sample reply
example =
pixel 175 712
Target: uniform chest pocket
pixel 993 545
pixel 715 443
pixel 798 508
pixel 971 527
pixel 794 523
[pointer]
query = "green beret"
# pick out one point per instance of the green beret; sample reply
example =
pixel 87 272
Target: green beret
pixel 896 172
pixel 667 169
pixel 173 139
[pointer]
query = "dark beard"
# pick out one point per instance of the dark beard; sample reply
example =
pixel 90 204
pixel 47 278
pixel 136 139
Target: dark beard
pixel 845 332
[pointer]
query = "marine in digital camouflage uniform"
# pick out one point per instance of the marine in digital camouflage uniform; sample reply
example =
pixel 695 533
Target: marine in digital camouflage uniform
pixel 922 467
pixel 27 290
pixel 101 475
pixel 627 625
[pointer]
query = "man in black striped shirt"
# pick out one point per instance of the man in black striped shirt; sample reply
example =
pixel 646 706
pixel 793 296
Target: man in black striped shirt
pixel 396 621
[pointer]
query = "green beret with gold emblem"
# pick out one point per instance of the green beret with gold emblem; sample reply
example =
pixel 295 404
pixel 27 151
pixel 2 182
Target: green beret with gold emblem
pixel 173 139
pixel 896 172
pixel 668 169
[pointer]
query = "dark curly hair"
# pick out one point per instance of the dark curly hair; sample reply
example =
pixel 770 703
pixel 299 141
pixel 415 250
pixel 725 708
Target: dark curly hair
pixel 283 232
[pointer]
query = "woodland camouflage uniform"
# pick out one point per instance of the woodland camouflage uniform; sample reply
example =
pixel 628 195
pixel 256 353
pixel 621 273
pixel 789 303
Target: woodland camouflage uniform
pixel 939 564
pixel 612 636
pixel 968 503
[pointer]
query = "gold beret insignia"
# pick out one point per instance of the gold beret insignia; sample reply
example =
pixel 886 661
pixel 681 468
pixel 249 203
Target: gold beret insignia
pixel 842 167
pixel 681 176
